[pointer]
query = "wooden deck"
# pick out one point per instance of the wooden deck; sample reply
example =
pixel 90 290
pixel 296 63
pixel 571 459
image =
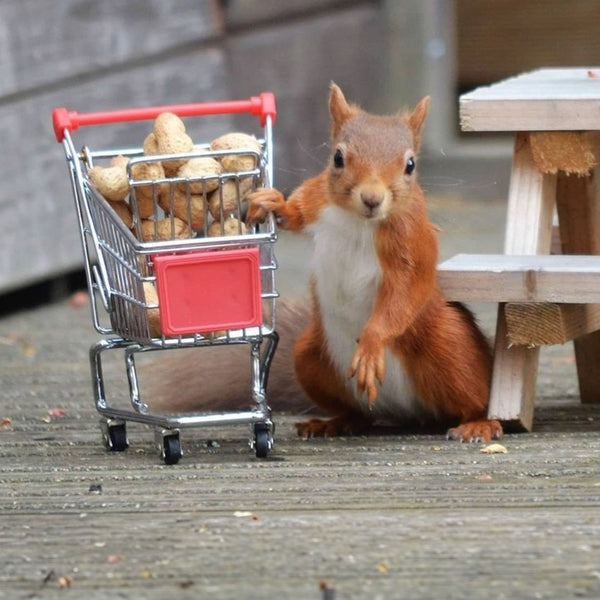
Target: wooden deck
pixel 383 516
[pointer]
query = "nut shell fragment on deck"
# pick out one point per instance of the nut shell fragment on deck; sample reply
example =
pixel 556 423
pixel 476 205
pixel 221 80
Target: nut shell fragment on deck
pixel 494 449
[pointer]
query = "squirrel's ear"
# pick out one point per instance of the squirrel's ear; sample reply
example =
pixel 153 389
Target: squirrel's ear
pixel 339 109
pixel 417 118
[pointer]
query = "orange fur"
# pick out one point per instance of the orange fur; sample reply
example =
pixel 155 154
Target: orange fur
pixel 370 184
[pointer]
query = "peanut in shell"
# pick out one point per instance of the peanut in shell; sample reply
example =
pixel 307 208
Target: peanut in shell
pixel 151 297
pixel 201 166
pixel 171 138
pixel 230 226
pixel 144 194
pixel 237 141
pixel 227 197
pixel 187 208
pixel 123 211
pixel 111 181
pixel 169 228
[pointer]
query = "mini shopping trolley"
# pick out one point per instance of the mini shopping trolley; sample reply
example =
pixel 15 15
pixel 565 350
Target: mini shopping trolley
pixel 172 265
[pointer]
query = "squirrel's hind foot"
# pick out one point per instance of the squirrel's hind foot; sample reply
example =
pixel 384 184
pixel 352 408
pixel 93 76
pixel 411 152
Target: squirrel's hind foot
pixel 334 427
pixel 476 431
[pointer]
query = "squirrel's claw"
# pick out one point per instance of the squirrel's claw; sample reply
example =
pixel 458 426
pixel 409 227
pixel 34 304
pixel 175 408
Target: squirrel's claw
pixel 263 201
pixel 369 368
pixel 476 431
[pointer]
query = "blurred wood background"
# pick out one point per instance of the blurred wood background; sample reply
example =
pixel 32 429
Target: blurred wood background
pixel 88 55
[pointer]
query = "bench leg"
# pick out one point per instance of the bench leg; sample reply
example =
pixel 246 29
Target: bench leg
pixel 512 395
pixel 531 202
pixel 578 204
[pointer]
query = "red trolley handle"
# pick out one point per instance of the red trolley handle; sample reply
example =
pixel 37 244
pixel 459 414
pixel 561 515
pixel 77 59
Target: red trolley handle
pixel 262 106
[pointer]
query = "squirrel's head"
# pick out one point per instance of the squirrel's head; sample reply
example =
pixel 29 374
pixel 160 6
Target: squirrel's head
pixel 372 167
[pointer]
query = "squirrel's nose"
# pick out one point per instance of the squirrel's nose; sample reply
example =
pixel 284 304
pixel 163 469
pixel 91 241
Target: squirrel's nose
pixel 371 200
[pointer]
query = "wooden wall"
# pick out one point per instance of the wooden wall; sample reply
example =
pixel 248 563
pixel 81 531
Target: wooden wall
pixel 498 38
pixel 93 55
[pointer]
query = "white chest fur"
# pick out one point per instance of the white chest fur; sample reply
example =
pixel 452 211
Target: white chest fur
pixel 347 274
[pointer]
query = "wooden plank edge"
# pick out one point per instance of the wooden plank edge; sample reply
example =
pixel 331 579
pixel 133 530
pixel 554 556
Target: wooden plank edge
pixel 499 278
pixel 573 114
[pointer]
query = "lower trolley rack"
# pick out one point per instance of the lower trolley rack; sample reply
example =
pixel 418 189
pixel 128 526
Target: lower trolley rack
pixel 167 427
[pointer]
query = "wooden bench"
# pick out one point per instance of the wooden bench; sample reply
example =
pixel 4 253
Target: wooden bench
pixel 549 299
pixel 555 114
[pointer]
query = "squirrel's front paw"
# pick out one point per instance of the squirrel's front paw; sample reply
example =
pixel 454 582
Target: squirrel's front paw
pixel 263 201
pixel 368 365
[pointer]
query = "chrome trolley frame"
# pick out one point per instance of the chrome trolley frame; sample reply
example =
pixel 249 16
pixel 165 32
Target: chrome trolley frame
pixel 121 261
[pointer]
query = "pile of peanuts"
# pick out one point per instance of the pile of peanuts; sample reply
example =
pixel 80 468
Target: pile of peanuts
pixel 182 202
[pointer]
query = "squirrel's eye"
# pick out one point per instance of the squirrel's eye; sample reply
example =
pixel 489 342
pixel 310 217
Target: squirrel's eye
pixel 338 159
pixel 410 166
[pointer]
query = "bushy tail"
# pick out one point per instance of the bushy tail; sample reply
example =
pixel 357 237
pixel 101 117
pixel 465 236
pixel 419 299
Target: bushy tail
pixel 218 378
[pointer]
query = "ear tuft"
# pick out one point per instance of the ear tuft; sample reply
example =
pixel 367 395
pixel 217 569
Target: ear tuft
pixel 339 109
pixel 417 118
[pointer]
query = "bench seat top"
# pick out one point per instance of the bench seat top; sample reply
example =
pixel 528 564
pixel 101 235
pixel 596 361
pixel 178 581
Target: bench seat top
pixel 512 278
pixel 551 99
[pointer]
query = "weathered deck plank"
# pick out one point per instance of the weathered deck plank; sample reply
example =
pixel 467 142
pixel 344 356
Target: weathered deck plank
pixel 383 516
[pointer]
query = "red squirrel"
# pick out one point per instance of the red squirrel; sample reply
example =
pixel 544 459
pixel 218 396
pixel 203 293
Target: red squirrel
pixel 382 342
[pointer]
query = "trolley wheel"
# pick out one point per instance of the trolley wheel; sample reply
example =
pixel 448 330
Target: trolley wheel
pixel 171 449
pixel 115 437
pixel 262 440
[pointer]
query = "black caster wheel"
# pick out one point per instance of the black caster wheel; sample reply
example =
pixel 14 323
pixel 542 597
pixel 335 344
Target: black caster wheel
pixel 170 448
pixel 115 436
pixel 262 440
